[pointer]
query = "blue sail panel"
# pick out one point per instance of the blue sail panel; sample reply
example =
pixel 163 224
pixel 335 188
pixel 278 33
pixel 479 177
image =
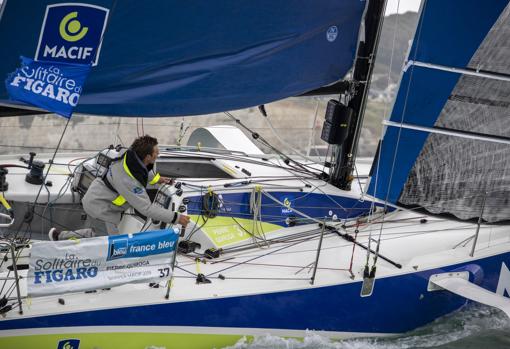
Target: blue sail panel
pixel 440 39
pixel 171 58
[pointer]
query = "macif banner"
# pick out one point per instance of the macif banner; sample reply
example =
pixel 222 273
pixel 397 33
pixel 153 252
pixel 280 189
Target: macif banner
pixel 101 262
pixel 55 87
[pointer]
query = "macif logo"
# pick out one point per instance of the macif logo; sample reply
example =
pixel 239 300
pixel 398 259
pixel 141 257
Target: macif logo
pixel 69 344
pixel 118 248
pixel 71 33
pixel 71 29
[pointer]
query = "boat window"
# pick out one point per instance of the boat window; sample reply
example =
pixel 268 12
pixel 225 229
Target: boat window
pixel 185 168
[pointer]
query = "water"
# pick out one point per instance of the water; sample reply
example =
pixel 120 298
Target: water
pixel 474 327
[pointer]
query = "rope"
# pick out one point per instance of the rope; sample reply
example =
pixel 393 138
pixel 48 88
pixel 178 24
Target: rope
pixel 256 209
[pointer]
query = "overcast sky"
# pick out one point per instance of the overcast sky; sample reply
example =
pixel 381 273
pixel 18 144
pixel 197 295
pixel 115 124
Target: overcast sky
pixel 403 6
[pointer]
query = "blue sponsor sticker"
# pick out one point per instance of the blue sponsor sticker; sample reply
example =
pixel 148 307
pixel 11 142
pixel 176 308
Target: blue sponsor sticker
pixel 287 202
pixel 141 244
pixel 117 248
pixel 71 33
pixel 69 344
pixel 137 190
pixel 332 33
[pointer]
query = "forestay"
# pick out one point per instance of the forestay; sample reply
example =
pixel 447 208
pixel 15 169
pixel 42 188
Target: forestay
pixel 446 147
pixel 100 262
pixel 169 58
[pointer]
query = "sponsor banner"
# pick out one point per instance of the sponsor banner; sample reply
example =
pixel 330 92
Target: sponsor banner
pixel 72 33
pixel 100 262
pixel 51 86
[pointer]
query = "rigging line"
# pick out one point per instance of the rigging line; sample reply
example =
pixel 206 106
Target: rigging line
pixel 260 178
pixel 29 231
pixel 310 250
pixel 354 247
pixel 363 229
pixel 245 230
pixel 306 235
pixel 14 262
pixel 266 143
pixel 245 278
pixel 281 265
pixel 58 223
pixel 292 149
pixel 52 159
pixel 373 206
pixel 362 196
pixel 264 278
pixel 252 246
pixel 249 159
pixel 385 113
pixel 257 257
pixel 277 240
pixel 423 232
pixel 318 187
pixel 417 36
pixel 397 23
pixel 197 227
pixel 60 194
pixel 293 209
pixel 185 270
pixel 41 147
pixel 312 133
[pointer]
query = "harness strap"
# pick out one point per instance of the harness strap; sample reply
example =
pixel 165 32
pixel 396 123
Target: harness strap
pixel 120 200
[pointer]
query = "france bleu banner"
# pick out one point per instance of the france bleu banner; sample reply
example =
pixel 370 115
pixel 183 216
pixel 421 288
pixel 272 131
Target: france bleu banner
pixel 88 264
pixel 55 87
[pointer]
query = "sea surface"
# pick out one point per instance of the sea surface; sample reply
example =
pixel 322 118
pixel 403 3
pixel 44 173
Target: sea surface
pixel 473 327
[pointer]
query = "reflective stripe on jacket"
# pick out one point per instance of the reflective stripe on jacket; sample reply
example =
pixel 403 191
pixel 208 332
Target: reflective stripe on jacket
pixel 120 200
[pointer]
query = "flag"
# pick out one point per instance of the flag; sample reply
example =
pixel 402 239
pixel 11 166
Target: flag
pixel 55 87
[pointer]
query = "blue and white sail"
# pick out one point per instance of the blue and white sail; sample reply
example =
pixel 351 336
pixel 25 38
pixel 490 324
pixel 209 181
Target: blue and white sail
pixel 446 145
pixel 169 58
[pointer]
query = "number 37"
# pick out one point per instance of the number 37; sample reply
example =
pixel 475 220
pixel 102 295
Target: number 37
pixel 164 272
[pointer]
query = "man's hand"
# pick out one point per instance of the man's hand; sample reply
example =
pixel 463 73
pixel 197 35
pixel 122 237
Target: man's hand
pixel 183 220
pixel 165 180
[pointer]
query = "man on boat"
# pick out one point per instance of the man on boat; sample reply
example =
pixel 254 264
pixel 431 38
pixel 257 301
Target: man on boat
pixel 122 187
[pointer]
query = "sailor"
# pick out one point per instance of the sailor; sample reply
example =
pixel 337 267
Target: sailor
pixel 122 187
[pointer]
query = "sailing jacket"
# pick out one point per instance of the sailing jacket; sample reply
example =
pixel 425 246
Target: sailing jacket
pixel 124 186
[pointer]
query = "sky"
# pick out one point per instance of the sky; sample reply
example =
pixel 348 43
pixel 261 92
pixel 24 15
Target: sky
pixel 403 6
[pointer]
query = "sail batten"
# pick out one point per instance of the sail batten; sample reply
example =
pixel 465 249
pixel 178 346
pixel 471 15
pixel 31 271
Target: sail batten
pixel 464 71
pixel 451 132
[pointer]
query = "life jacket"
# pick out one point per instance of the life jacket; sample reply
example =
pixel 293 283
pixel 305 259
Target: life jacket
pixel 135 169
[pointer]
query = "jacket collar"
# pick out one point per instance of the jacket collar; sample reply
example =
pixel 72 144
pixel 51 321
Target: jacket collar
pixel 136 168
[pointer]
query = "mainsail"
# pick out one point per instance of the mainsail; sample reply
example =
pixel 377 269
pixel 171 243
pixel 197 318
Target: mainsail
pixel 169 58
pixel 446 145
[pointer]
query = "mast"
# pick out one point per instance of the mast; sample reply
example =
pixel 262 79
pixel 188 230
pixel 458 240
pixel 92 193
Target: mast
pixel 345 153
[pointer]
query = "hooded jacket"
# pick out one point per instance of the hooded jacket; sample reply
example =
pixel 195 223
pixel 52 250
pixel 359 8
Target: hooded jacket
pixel 129 177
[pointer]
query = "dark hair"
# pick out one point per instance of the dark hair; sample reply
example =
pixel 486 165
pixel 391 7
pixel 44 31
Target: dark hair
pixel 144 146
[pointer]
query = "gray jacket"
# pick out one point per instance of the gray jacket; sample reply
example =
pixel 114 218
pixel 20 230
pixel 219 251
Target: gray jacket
pixel 98 200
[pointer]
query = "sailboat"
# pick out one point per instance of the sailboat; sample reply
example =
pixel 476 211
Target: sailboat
pixel 277 245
